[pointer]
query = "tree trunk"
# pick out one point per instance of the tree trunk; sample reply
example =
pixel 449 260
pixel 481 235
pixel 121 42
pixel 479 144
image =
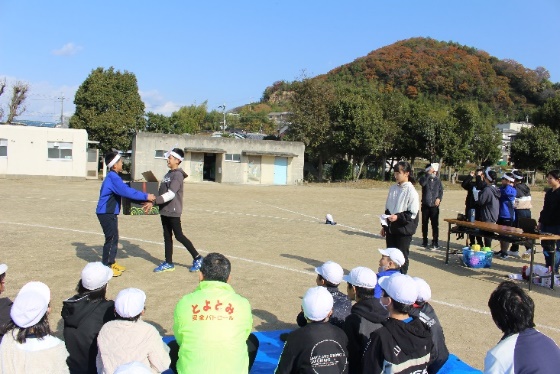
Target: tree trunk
pixel 320 168
pixel 362 159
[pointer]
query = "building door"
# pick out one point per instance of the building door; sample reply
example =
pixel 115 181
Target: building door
pixel 280 170
pixel 209 169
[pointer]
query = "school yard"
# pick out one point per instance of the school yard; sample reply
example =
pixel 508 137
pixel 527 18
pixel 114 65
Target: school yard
pixel 274 237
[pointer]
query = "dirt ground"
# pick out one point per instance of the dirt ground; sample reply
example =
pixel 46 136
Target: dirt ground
pixel 274 237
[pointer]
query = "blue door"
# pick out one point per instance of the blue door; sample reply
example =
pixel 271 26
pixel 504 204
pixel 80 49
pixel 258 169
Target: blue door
pixel 280 170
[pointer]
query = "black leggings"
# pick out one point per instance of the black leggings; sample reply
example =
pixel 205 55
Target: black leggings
pixel 401 242
pixel 172 226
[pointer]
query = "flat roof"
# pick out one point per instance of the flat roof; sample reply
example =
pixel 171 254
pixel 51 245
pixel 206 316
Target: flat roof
pixel 205 150
pixel 269 153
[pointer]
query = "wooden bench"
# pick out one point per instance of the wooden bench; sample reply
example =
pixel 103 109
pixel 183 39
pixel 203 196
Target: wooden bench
pixel 500 233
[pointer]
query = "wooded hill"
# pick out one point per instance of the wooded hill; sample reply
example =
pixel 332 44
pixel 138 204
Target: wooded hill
pixel 445 72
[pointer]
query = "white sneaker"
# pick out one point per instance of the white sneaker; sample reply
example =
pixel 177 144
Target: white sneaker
pixel 515 254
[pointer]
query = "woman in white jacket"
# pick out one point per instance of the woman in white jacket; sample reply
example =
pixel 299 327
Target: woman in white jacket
pixel 401 211
pixel 129 339
pixel 28 346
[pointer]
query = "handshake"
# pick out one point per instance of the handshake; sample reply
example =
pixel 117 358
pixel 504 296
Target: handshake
pixel 147 206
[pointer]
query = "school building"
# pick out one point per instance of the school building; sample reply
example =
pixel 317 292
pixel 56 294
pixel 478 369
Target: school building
pixel 46 151
pixel 222 160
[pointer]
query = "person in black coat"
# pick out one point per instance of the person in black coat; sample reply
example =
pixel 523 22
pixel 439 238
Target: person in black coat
pixel 367 314
pixel 426 313
pixel 84 314
pixel 318 347
pixel 5 303
pixel 469 184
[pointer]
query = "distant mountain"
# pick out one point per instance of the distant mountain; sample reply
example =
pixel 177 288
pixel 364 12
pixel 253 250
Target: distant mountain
pixel 442 71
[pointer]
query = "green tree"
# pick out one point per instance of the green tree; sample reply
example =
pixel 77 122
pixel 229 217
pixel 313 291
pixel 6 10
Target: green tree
pixel 310 120
pixel 549 114
pixel 189 119
pixel 159 123
pixel 536 148
pixel 109 108
pixel 359 129
pixel 486 144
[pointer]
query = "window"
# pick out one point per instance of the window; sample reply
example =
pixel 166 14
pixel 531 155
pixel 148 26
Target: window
pixel 3 147
pixel 160 153
pixel 234 157
pixel 59 150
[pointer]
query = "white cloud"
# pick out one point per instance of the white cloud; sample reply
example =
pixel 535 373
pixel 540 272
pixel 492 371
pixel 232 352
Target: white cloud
pixel 155 102
pixel 67 49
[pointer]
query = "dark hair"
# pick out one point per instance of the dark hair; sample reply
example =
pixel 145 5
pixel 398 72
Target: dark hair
pixel 405 167
pixel 554 174
pixel 478 170
pixel 109 156
pixel 327 283
pixel 398 306
pixel 492 175
pixel 131 319
pixel 93 295
pixel 215 267
pixel 364 293
pixel 2 276
pixel 179 151
pixel 511 308
pixel 427 166
pixel 40 329
pixel 517 173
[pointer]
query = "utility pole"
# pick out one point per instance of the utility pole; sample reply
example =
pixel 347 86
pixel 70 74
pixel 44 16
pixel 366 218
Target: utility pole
pixel 61 98
pixel 224 112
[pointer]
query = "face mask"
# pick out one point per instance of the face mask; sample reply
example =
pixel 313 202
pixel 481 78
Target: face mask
pixel 383 305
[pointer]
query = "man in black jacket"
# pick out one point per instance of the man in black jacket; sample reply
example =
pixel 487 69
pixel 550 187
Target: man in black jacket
pixel 404 344
pixel 470 185
pixel 432 194
pixel 318 347
pixel 367 314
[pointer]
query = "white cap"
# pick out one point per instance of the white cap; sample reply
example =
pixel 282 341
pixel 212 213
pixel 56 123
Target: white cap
pixel 317 303
pixel 435 165
pixel 331 271
pixel 130 302
pixel 31 304
pixel 38 287
pixel 3 268
pixel 95 275
pixel 134 367
pixel 394 254
pixel 424 290
pixel 400 287
pixel 361 277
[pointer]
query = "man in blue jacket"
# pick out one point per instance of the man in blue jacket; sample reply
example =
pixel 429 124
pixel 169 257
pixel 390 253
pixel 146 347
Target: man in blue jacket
pixel 109 207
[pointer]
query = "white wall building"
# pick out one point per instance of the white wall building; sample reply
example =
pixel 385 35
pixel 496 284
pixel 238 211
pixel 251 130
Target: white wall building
pixel 223 160
pixel 508 130
pixel 44 151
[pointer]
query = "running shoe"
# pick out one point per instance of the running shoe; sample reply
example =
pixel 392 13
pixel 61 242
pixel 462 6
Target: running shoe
pixel 164 266
pixel 197 263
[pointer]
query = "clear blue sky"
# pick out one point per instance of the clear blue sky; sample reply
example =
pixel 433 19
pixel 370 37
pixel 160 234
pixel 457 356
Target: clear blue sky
pixel 228 52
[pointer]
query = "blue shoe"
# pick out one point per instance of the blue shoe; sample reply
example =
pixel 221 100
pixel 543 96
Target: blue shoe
pixel 164 266
pixel 196 264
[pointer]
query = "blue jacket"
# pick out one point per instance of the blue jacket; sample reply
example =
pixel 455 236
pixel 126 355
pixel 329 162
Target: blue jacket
pixel 112 189
pixel 378 292
pixel 507 197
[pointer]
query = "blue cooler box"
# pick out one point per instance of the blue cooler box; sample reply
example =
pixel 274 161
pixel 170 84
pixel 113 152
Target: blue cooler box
pixel 477 259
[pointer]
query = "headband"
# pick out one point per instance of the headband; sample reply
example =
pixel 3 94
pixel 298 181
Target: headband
pixel 487 172
pixel 515 175
pixel 507 177
pixel 171 153
pixel 114 161
pixel 428 168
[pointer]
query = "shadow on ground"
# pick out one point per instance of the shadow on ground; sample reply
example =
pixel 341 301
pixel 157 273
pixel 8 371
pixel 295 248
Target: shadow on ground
pixel 92 253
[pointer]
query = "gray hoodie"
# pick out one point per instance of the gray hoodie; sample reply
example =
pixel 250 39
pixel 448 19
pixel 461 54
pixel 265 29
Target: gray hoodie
pixel 170 199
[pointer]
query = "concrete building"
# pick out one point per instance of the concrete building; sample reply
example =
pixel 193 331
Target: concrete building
pixel 44 151
pixel 223 160
pixel 508 131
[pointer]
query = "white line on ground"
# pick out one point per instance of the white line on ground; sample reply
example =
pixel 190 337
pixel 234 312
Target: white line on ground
pixel 456 306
